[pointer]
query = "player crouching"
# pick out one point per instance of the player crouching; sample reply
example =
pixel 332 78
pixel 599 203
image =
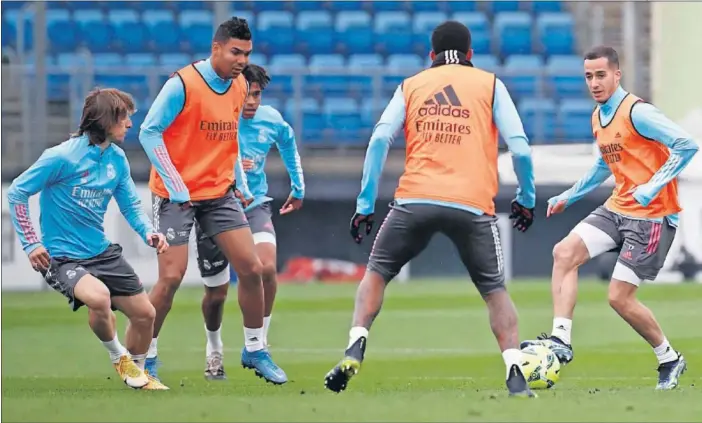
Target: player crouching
pixel 77 179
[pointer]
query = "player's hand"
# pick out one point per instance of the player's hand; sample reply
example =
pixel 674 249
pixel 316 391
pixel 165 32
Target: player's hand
pixel 40 260
pixel 158 241
pixel 244 201
pixel 356 222
pixel 523 217
pixel 555 206
pixel 247 164
pixel 291 204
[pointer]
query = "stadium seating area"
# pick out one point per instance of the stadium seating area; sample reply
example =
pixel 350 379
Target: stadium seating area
pixel 332 62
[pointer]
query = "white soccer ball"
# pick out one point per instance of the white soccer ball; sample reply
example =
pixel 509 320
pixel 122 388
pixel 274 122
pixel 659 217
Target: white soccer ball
pixel 540 366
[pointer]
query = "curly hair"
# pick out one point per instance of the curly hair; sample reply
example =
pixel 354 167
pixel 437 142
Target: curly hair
pixel 254 73
pixel 233 28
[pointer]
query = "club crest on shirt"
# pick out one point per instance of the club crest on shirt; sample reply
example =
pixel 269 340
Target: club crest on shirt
pixel 111 173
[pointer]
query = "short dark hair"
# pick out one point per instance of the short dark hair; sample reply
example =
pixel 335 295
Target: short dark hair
pixel 254 73
pixel 103 109
pixel 233 28
pixel 451 35
pixel 607 52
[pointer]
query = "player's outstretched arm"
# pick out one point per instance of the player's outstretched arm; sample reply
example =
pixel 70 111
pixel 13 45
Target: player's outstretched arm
pixel 163 111
pixel 510 127
pixel 130 205
pixel 653 124
pixel 291 159
pixel 388 127
pixel 45 171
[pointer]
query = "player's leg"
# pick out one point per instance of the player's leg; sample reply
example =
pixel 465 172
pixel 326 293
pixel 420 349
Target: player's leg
pixel 73 280
pixel 477 240
pixel 643 254
pixel 596 234
pixel 175 222
pixel 215 276
pixel 404 233
pixel 225 222
pixel 264 237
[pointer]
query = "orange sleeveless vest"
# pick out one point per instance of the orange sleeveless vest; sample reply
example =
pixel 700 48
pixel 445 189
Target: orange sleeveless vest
pixel 202 141
pixel 633 160
pixel 451 137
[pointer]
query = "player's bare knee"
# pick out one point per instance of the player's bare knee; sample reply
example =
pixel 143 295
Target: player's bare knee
pixel 216 296
pixel 620 297
pixel 568 253
pixel 268 271
pixel 250 271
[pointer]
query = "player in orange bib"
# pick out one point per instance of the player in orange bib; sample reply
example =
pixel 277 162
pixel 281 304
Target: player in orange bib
pixel 451 114
pixel 190 136
pixel 645 152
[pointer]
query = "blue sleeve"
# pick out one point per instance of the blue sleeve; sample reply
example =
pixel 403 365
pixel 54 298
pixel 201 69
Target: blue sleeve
pixel 510 127
pixel 162 113
pixel 594 177
pixel 45 171
pixel 242 184
pixel 291 158
pixel 652 123
pixel 388 127
pixel 130 204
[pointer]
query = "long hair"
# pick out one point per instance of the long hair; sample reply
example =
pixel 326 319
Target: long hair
pixel 102 110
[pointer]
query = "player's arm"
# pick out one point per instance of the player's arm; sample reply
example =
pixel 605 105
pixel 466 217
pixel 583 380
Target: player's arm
pixel 510 127
pixel 163 111
pixel 242 184
pixel 653 124
pixel 287 147
pixel 388 127
pixel 42 173
pixel 130 205
pixel 594 177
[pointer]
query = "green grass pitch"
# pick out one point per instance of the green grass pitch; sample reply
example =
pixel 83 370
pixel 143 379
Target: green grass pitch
pixel 431 357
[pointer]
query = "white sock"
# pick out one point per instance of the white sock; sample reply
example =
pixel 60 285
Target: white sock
pixel 266 325
pixel 214 341
pixel 355 333
pixel 665 353
pixel 115 348
pixel 139 360
pixel 561 329
pixel 511 356
pixel 153 349
pixel 253 339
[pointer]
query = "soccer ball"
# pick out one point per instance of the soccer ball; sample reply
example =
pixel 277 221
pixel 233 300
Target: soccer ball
pixel 540 367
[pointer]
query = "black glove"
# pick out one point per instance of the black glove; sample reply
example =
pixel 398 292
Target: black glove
pixel 356 221
pixel 522 216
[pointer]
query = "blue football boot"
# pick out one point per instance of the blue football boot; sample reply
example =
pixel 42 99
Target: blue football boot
pixel 261 362
pixel 670 372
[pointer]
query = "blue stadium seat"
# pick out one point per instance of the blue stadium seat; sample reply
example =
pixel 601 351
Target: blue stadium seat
pixel 72 60
pixel 407 63
pixel 513 32
pixel 523 76
pixel 84 16
pixel 151 5
pixel 321 81
pixel 245 14
pixel 132 37
pixel 355 32
pixel 539 119
pixel 343 120
pixel 479 27
pixel 136 85
pixel 80 5
pixel 192 5
pixel 275 32
pixel 359 62
pixel 308 111
pixel 338 6
pixel 272 102
pixel 306 5
pixel 57 86
pixel 96 34
pixel 120 16
pixel 423 25
pixel 545 6
pixel 163 30
pixel 280 66
pixel 428 6
pixel 393 32
pixel 565 76
pixel 370 112
pixel 556 33
pixel 196 28
pixel 264 6
pixel 322 62
pixel 258 59
pixel 501 6
pixel 174 61
pixel 315 33
pixel 462 6
pixel 62 33
pixel 140 60
pixel 283 62
pixel 107 60
pixel 387 6
pixel 486 62
pixel 575 119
